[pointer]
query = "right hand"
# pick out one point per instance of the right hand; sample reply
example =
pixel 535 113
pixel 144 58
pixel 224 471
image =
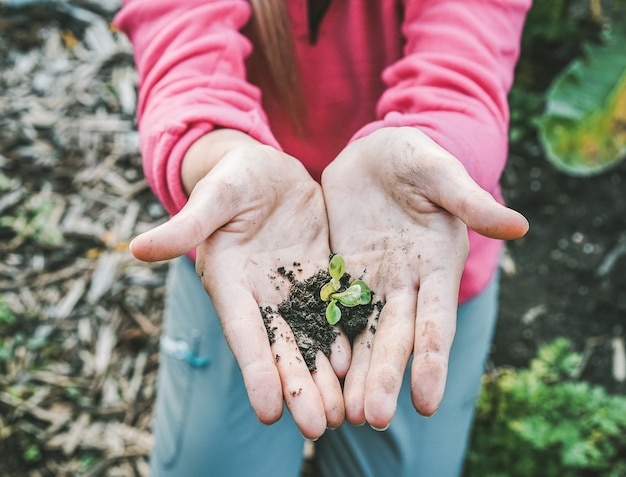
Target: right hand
pixel 257 209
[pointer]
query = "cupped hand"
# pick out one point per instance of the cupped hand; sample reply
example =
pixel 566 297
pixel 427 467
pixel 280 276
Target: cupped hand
pixel 258 209
pixel 398 207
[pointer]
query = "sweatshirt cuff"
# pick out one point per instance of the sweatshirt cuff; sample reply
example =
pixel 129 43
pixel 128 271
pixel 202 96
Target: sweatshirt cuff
pixel 470 148
pixel 168 145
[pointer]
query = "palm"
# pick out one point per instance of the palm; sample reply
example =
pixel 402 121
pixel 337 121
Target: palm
pixel 393 218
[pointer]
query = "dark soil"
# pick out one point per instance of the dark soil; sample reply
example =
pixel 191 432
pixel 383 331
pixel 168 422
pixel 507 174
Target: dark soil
pixel 567 277
pixel 305 313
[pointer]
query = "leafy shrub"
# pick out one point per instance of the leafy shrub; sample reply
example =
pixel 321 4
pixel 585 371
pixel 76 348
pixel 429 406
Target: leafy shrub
pixel 557 33
pixel 541 422
pixel 583 128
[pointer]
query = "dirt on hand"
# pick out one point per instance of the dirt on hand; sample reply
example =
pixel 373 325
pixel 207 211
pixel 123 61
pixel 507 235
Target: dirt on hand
pixel 305 312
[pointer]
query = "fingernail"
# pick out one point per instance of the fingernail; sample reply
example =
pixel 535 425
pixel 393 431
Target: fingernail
pixel 380 429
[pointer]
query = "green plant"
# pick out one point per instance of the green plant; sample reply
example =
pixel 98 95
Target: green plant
pixel 88 461
pixel 566 97
pixel 335 292
pixel 32 453
pixel 6 315
pixel 582 130
pixel 33 221
pixel 542 421
pixel 5 182
pixel 6 351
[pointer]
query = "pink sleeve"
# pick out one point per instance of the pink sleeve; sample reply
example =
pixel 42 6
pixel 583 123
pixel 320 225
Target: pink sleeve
pixel 190 57
pixel 453 80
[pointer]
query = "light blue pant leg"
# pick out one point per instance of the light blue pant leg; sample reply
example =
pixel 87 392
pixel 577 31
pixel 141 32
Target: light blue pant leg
pixel 204 425
pixel 413 445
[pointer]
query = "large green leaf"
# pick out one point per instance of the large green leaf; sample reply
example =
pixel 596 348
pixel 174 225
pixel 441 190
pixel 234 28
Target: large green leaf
pixel 583 130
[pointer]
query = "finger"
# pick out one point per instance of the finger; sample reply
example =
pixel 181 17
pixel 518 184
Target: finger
pixel 301 394
pixel 478 209
pixel 193 224
pixel 434 333
pixel 330 391
pixel 248 340
pixel 176 237
pixel 356 377
pixel 483 214
pixel 340 355
pixel 393 346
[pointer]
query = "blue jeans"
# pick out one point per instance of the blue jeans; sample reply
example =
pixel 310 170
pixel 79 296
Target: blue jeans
pixel 204 425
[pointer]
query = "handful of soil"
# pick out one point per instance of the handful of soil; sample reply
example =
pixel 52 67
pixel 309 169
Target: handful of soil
pixel 305 312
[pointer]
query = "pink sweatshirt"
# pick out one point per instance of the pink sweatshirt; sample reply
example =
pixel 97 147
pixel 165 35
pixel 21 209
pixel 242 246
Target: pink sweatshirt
pixel 443 66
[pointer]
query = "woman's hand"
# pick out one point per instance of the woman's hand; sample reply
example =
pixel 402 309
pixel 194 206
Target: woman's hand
pixel 252 209
pixel 398 206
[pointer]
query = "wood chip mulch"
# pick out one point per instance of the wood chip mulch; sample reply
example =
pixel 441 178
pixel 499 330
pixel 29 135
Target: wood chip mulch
pixel 79 316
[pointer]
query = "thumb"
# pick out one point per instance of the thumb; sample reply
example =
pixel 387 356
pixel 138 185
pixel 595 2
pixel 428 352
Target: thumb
pixel 186 230
pixel 480 211
pixel 174 238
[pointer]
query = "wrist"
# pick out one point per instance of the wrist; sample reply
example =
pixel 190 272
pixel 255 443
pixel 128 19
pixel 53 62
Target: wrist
pixel 207 151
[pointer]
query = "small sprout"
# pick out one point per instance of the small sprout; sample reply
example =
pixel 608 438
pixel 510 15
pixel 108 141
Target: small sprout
pixel 358 293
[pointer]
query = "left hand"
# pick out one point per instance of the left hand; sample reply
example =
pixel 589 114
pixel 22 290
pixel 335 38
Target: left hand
pixel 398 205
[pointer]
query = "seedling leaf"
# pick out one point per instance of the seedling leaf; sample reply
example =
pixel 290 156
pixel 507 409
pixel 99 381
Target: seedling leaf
pixel 326 291
pixel 350 297
pixel 366 294
pixel 333 313
pixel 337 267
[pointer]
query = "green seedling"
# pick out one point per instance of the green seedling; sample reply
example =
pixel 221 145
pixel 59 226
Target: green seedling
pixel 358 293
